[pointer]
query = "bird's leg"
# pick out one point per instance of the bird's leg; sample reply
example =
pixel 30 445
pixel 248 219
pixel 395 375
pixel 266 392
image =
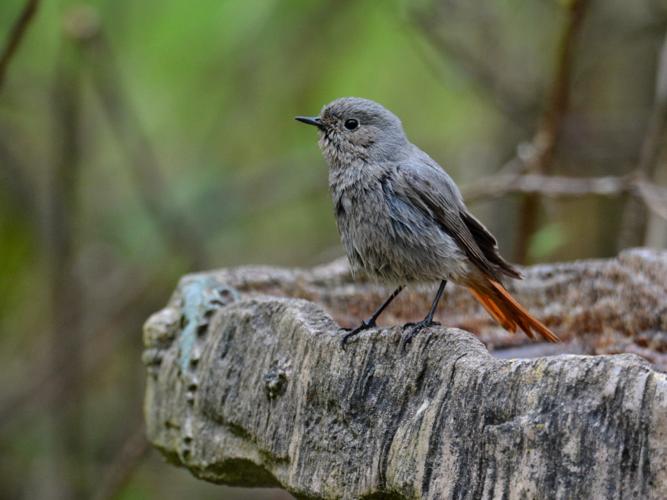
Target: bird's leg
pixel 428 320
pixel 370 322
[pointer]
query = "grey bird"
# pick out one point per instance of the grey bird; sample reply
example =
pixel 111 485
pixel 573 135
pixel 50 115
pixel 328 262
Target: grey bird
pixel 402 218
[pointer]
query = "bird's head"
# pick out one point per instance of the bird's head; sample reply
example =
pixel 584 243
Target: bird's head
pixel 353 129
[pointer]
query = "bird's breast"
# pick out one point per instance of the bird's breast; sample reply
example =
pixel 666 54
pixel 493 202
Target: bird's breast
pixel 390 239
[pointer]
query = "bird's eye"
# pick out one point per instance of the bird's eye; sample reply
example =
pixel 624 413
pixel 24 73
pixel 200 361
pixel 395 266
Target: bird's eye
pixel 351 124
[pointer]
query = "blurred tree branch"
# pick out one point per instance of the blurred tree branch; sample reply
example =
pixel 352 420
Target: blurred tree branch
pixel 506 99
pixel 15 36
pixel 179 230
pixel 65 285
pixel 130 455
pixel 548 132
pixel 653 197
pixel 47 385
pixel 18 186
pixel 635 219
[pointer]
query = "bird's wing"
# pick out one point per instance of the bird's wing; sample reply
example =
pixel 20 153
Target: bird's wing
pixel 430 189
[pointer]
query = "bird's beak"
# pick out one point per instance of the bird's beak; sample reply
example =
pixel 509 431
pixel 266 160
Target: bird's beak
pixel 310 120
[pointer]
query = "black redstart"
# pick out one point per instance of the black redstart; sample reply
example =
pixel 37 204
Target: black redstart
pixel 402 218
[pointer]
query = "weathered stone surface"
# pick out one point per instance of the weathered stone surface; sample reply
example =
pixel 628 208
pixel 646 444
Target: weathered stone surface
pixel 247 385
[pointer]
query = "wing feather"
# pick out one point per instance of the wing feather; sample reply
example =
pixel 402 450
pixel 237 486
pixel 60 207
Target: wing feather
pixel 430 189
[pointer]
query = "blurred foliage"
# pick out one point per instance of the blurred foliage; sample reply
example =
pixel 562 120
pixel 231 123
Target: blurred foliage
pixel 213 86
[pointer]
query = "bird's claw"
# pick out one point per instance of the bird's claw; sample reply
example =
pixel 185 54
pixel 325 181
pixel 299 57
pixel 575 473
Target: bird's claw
pixel 421 324
pixel 365 325
pixel 416 328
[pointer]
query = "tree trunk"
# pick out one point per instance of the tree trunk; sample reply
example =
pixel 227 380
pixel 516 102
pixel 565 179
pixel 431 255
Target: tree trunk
pixel 248 385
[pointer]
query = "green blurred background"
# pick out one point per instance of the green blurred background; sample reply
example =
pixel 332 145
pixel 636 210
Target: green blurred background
pixel 143 140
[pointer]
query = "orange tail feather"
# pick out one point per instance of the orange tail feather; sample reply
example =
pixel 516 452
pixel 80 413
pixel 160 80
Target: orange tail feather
pixel 509 313
pixel 494 311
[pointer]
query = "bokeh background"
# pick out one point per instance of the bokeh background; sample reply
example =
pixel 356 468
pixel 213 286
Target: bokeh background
pixel 143 140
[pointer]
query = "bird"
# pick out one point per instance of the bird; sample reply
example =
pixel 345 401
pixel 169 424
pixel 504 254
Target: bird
pixel 402 219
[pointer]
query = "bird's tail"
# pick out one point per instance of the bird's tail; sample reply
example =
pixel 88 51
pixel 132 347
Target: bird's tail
pixel 508 312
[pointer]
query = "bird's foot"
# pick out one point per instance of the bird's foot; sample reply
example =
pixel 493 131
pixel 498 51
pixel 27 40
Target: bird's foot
pixel 416 328
pixel 365 325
